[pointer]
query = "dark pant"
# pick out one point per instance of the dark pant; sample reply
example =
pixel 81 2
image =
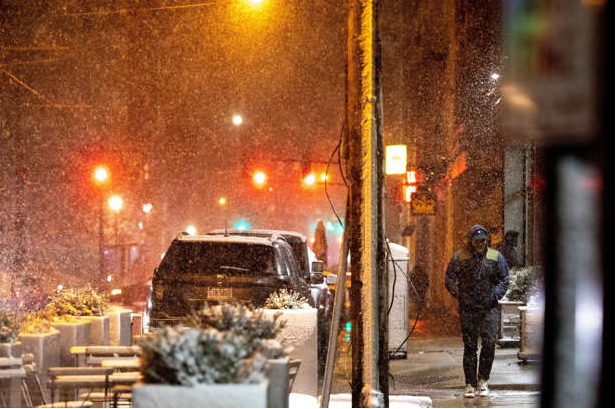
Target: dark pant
pixel 474 324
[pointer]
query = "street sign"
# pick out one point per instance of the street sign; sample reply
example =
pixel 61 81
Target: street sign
pixel 423 203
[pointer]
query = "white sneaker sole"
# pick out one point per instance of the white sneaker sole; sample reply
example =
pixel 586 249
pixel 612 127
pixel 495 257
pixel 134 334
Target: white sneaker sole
pixel 484 394
pixel 469 395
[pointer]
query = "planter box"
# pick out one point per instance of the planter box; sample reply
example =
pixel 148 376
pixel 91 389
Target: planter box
pixel 8 350
pixel 71 334
pixel 46 351
pixel 278 383
pixel 530 334
pixel 509 323
pixel 300 333
pixel 201 396
pixel 119 326
pixel 99 330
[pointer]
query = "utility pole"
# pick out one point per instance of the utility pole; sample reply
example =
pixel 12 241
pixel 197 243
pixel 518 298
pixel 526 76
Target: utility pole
pixel 365 147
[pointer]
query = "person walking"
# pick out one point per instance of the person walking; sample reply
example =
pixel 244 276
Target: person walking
pixel 507 248
pixel 478 276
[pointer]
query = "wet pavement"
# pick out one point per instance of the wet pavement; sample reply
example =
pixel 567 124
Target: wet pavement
pixel 433 368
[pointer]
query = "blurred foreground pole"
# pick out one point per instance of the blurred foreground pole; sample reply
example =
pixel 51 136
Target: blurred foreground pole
pixel 365 147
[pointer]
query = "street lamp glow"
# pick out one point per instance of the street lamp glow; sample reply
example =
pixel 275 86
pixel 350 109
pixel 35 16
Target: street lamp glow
pixel 237 120
pixel 191 230
pixel 115 203
pixel 101 174
pixel 222 201
pixel 495 76
pixel 259 178
pixel 147 208
pixel 310 179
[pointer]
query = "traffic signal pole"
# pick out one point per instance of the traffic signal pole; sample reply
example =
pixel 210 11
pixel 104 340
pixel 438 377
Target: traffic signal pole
pixel 365 227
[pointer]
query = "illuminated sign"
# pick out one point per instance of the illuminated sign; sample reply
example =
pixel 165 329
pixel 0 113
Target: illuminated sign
pixel 395 159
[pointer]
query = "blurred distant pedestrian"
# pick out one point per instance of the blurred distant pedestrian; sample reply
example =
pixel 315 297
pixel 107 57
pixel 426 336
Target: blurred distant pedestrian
pixel 507 248
pixel 421 282
pixel 478 277
pixel 320 243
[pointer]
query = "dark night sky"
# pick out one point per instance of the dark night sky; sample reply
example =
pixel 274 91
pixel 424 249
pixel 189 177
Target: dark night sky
pixel 152 84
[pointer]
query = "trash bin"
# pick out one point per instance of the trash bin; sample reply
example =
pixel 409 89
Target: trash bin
pixel 398 321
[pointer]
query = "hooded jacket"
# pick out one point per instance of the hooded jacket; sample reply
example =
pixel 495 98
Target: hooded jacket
pixel 477 280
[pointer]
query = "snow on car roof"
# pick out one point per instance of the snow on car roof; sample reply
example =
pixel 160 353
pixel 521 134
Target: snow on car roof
pixel 227 239
pixel 264 232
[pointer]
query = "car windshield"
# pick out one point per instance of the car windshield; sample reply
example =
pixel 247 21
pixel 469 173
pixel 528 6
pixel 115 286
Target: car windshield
pixel 211 258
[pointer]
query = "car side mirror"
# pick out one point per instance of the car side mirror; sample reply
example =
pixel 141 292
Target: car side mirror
pixel 331 279
pixel 317 267
pixel 316 278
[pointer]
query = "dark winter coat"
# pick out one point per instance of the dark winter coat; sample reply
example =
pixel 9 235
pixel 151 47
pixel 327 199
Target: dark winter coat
pixel 478 281
pixel 507 248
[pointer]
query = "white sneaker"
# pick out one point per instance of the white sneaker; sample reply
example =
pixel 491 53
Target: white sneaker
pixel 469 391
pixel 483 388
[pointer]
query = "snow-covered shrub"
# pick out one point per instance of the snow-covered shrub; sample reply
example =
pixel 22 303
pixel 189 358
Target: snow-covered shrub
pixel 286 300
pixel 192 356
pixel 523 283
pixel 257 331
pixel 84 301
pixel 38 322
pixel 10 324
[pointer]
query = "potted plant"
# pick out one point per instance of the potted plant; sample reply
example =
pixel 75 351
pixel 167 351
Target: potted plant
pixel 524 288
pixel 88 304
pixel 197 367
pixel 259 330
pixel 10 323
pixel 299 334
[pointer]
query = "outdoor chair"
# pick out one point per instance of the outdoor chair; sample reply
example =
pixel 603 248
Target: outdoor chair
pixel 96 354
pixel 73 379
pixel 12 369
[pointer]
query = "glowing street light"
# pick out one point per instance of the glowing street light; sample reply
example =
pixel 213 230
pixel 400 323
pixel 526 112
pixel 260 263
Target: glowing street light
pixel 115 203
pixel 259 178
pixel 310 179
pixel 237 120
pixel 147 208
pixel 222 201
pixel 101 174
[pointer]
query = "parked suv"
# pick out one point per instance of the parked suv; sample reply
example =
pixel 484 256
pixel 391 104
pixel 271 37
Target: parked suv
pixel 310 269
pixel 220 268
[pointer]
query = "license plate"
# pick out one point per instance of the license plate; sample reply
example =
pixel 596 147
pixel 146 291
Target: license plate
pixel 218 293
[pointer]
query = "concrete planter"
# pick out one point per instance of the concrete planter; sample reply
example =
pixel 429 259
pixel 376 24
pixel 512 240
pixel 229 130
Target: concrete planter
pixel 530 334
pixel 300 333
pixel 75 333
pixel 10 349
pixel 278 383
pixel 119 326
pixel 201 396
pixel 99 330
pixel 509 323
pixel 46 350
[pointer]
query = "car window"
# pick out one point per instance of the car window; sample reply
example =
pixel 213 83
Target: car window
pixel 285 267
pixel 209 258
pixel 289 260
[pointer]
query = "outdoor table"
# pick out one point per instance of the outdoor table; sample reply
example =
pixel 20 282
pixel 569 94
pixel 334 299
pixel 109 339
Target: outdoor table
pixel 121 364
pixel 77 351
pixel 124 378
